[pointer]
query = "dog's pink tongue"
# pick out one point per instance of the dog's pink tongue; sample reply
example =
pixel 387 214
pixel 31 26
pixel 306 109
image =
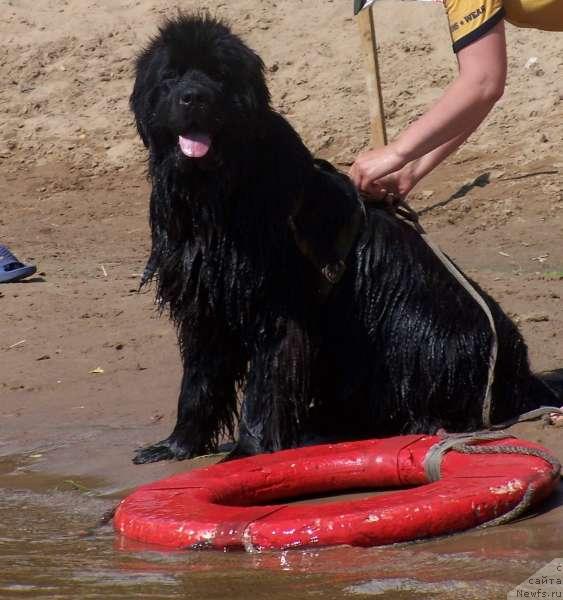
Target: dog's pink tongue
pixel 195 145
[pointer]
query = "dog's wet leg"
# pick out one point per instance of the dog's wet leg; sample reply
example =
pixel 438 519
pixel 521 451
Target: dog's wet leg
pixel 277 393
pixel 206 404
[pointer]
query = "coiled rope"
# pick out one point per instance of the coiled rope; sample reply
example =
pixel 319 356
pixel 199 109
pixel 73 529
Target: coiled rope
pixel 465 443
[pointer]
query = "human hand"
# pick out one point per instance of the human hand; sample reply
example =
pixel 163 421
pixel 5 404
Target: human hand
pixel 373 165
pixel 392 186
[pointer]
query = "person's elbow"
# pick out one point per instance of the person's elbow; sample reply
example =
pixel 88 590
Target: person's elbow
pixel 486 85
pixel 492 88
pixel 485 89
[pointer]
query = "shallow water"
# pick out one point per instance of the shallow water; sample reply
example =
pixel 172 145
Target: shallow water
pixel 50 548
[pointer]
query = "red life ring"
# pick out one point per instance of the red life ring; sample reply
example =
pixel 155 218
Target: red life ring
pixel 225 506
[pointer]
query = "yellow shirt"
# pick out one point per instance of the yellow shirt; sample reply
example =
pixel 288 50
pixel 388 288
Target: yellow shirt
pixel 470 19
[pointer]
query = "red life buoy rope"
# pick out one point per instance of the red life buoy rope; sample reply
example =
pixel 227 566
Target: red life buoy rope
pixel 230 505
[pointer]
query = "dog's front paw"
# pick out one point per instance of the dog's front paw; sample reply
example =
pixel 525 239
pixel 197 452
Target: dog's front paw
pixel 165 450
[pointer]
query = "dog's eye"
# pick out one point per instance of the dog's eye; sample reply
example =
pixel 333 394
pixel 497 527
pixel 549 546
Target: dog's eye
pixel 167 83
pixel 168 78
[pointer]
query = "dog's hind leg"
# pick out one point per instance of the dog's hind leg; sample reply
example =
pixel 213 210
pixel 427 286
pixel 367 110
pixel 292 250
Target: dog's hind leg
pixel 207 400
pixel 277 393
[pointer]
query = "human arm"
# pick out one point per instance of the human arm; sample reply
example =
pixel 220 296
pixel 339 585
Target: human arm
pixel 457 113
pixel 400 183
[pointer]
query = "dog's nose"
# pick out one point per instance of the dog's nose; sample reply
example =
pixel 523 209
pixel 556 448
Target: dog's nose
pixel 189 98
pixel 192 96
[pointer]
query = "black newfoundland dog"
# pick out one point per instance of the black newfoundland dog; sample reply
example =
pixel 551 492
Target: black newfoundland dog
pixel 330 321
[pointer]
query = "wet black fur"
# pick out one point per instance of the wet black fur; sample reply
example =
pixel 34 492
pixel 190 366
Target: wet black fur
pixel 397 346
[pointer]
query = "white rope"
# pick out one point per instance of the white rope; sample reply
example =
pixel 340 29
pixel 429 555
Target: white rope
pixel 402 209
pixel 487 400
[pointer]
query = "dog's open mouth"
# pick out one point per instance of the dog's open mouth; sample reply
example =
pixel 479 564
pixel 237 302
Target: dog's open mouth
pixel 195 145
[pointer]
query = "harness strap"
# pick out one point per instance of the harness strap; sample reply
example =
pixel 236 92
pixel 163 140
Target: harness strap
pixel 487 400
pixel 401 208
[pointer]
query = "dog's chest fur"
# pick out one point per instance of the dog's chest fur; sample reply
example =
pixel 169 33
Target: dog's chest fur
pixel 227 255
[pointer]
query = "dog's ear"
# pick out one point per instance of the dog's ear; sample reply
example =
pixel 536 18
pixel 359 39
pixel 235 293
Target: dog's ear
pixel 138 106
pixel 146 67
pixel 257 95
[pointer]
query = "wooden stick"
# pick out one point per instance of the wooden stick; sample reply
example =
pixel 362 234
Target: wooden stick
pixel 375 98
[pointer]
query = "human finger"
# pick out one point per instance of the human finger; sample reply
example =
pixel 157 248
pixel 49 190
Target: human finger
pixel 375 191
pixel 354 175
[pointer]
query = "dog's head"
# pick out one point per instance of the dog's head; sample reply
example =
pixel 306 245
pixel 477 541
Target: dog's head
pixel 197 88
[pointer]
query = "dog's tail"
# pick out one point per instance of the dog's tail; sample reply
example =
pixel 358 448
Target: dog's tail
pixel 554 381
pixel 543 396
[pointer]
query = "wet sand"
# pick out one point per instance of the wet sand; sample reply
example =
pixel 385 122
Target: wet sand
pixel 52 547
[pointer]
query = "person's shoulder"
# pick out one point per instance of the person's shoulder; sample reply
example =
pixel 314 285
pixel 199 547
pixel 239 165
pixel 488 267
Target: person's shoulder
pixel 471 19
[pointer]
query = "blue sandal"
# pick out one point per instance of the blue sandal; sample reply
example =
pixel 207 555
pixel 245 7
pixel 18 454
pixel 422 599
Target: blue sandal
pixel 11 269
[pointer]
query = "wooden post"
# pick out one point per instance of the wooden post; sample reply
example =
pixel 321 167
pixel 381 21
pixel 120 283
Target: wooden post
pixel 375 98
